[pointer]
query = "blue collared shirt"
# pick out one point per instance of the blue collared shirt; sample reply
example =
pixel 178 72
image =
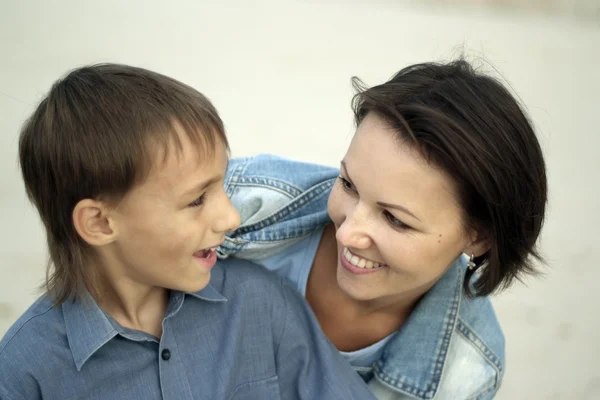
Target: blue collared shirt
pixel 248 335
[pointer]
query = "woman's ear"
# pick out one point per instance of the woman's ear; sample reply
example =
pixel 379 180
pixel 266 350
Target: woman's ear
pixel 93 222
pixel 479 244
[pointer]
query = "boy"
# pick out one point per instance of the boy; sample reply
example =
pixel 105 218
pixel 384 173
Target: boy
pixel 126 168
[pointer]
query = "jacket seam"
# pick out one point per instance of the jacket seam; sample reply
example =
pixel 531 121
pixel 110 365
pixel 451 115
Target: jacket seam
pixel 263 185
pixel 448 335
pixel 271 183
pixel 397 389
pixel 450 327
pixel 249 242
pixel 235 174
pixel 306 197
pixel 466 331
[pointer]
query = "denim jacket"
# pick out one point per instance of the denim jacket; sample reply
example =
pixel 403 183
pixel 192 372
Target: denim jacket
pixel 451 347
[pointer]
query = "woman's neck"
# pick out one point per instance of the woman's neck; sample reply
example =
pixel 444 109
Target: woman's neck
pixel 349 323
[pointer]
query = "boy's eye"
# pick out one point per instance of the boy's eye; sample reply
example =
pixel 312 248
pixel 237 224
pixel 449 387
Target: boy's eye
pixel 395 222
pixel 198 202
pixel 346 184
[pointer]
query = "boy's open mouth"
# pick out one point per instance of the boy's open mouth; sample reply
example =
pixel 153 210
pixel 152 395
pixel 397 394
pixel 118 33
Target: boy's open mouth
pixel 206 253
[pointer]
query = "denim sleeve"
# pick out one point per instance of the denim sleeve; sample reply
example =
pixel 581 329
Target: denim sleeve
pixel 280 201
pixel 308 366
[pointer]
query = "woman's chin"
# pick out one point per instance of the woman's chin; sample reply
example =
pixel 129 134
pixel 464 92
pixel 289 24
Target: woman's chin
pixel 354 288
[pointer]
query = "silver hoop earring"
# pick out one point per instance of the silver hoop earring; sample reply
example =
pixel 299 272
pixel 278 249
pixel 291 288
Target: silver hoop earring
pixel 471 263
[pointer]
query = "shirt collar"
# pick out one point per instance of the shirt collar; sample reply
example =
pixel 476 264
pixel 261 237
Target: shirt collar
pixel 414 359
pixel 89 328
pixel 209 293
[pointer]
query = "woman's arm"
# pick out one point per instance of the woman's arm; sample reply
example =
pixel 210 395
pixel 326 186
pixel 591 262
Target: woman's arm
pixel 280 201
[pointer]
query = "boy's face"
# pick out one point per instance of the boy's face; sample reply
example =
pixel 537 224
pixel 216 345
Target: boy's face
pixel 169 225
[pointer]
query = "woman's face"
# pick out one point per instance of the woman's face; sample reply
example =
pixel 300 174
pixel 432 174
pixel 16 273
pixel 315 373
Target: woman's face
pixel 399 225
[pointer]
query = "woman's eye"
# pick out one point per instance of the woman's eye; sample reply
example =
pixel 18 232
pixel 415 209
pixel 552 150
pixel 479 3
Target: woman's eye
pixel 395 221
pixel 198 202
pixel 346 184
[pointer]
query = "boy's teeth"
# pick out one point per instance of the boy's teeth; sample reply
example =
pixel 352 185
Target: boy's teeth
pixel 360 262
pixel 204 253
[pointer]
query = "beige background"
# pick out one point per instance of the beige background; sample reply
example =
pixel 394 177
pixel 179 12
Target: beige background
pixel 279 74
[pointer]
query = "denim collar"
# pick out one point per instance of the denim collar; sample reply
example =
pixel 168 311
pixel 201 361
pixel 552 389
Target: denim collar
pixel 88 328
pixel 414 359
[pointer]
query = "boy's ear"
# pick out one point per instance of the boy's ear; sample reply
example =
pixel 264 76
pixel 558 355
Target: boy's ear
pixel 480 243
pixel 93 223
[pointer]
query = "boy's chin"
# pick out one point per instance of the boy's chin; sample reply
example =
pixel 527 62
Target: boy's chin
pixel 193 285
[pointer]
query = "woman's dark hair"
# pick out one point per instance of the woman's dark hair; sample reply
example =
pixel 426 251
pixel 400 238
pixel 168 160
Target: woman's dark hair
pixel 469 125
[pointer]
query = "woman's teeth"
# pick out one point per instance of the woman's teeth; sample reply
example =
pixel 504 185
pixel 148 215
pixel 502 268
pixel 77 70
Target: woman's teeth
pixel 360 262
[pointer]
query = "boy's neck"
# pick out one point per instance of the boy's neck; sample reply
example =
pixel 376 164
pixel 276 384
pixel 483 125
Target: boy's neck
pixel 132 304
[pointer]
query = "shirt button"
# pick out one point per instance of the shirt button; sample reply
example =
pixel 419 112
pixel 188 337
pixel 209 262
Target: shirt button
pixel 166 354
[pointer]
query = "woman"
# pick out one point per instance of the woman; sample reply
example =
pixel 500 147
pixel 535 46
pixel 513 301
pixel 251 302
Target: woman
pixel 439 202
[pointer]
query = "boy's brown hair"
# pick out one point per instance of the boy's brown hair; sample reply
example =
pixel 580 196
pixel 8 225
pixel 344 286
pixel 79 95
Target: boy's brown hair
pixel 94 136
